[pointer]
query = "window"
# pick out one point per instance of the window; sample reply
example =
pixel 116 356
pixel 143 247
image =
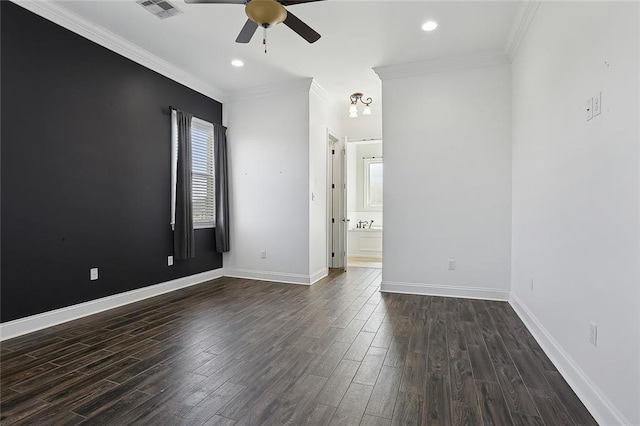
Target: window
pixel 372 184
pixel 202 172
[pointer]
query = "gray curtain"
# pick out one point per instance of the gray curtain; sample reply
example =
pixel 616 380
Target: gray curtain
pixel 183 236
pixel 222 189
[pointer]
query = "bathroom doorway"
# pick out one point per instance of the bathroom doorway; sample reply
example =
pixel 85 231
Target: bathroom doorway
pixel 364 203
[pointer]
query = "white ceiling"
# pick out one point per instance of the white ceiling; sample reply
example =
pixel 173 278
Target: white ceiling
pixel 357 35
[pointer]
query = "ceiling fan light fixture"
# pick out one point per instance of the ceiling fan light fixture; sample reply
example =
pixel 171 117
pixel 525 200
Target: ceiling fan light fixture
pixel 266 13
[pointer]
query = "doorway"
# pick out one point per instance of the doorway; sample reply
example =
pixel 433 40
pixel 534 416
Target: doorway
pixel 364 178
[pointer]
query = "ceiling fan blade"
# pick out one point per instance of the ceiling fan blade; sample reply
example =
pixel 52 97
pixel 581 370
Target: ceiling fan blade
pixel 291 2
pixel 305 31
pixel 215 1
pixel 247 32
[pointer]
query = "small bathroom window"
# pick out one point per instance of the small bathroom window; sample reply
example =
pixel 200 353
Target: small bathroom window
pixel 372 184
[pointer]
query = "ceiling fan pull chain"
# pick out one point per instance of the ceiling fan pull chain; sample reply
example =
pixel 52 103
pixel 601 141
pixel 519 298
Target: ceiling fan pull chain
pixel 264 39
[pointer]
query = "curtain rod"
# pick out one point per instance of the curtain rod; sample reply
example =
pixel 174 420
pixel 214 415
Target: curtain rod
pixel 171 108
pixel 168 111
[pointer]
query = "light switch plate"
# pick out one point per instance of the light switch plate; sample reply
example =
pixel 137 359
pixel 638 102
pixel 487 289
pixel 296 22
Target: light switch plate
pixel 593 333
pixel 597 104
pixel 589 107
pixel 451 264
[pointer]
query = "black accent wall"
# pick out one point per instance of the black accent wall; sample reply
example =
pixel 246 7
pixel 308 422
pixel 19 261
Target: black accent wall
pixel 85 169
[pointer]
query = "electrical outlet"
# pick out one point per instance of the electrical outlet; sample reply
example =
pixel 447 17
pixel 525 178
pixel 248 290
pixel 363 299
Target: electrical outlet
pixel 263 254
pixel 93 274
pixel 597 104
pixel 531 284
pixel 169 260
pixel 593 333
pixel 589 107
pixel 451 264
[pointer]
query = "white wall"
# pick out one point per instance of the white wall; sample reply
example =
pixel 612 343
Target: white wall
pixel 364 126
pixel 447 183
pixel 575 197
pixel 269 183
pixel 323 117
pixel 278 181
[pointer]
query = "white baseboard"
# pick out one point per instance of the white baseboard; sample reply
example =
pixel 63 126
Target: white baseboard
pixel 600 407
pixel 317 276
pixel 279 277
pixel 33 323
pixel 445 290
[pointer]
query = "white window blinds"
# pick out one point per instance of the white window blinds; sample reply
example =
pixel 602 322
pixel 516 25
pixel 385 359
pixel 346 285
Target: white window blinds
pixel 202 172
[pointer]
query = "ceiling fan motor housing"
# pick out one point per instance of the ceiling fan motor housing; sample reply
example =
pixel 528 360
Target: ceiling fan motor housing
pixel 266 13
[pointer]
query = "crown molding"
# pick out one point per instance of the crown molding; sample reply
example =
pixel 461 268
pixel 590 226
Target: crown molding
pixel 319 91
pixel 454 63
pixel 105 38
pixel 289 87
pixel 524 16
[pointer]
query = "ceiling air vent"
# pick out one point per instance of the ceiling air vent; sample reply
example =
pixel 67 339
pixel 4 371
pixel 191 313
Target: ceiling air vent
pixel 161 8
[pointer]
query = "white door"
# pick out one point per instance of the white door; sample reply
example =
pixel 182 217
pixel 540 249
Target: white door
pixel 345 217
pixel 336 237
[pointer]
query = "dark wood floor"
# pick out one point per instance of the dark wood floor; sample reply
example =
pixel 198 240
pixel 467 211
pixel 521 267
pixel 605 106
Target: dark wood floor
pixel 253 353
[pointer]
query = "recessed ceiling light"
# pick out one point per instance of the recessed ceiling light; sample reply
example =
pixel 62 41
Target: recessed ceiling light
pixel 237 63
pixel 429 26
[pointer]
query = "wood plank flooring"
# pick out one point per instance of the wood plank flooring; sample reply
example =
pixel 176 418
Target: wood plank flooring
pixel 243 352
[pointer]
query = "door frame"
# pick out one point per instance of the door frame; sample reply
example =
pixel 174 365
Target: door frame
pixel 336 238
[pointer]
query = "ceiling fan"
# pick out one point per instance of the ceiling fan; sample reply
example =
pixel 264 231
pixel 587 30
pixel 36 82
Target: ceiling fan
pixel 266 14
